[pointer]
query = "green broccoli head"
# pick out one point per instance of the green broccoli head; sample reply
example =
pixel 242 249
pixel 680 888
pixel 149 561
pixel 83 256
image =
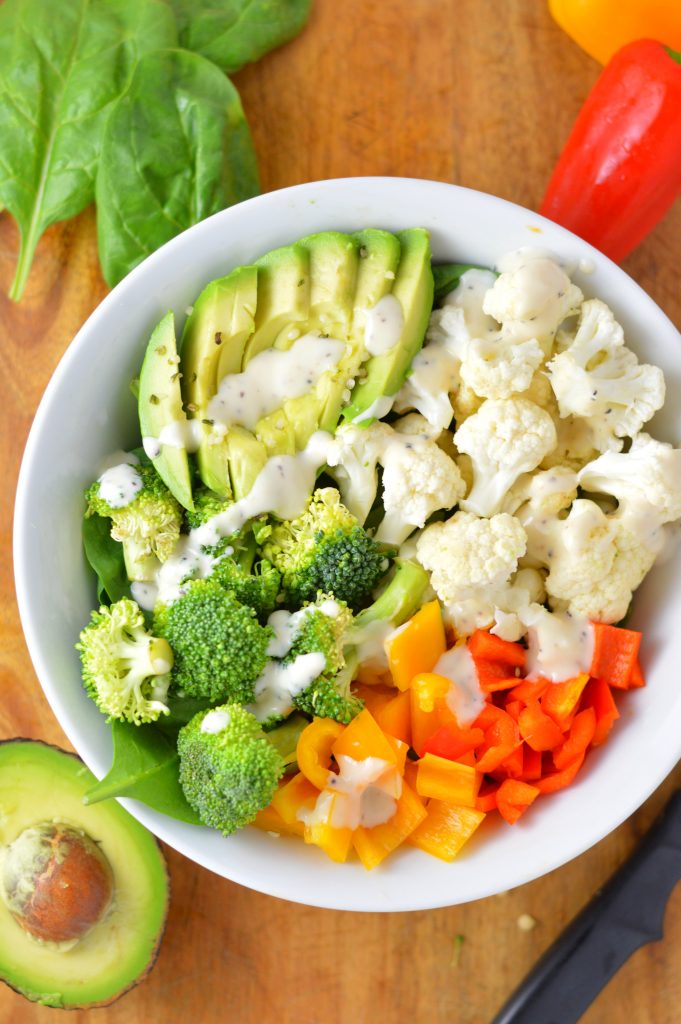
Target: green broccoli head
pixel 324 628
pixel 126 670
pixel 325 549
pixel 258 588
pixel 148 527
pixel 219 645
pixel 228 769
pixel 206 505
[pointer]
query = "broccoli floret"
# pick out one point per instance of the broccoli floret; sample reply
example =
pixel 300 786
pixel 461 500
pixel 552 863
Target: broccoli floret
pixel 148 526
pixel 206 505
pixel 325 549
pixel 219 645
pixel 126 670
pixel 228 768
pixel 258 588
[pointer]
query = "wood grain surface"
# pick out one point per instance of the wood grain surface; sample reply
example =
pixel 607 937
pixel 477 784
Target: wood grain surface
pixel 478 92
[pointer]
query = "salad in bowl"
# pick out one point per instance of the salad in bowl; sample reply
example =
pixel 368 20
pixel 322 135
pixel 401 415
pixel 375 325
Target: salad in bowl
pixel 363 579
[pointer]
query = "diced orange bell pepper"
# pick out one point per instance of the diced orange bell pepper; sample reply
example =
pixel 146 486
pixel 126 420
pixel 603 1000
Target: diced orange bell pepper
pixel 487 797
pixel 513 799
pixel 539 731
pixel 560 699
pixel 335 842
pixel 554 781
pixel 411 769
pixel 485 645
pixel 501 739
pixel 297 794
pixel 268 820
pixel 529 689
pixel 597 695
pixel 428 688
pixel 488 716
pixel 363 738
pixel 375 697
pixel 373 845
pixel 512 766
pixel 637 677
pixel 532 764
pixel 425 694
pixel 417 646
pixel 578 739
pixel 452 742
pixel 446 829
pixel 441 779
pixel 401 750
pixel 394 717
pixel 615 653
pixel 313 752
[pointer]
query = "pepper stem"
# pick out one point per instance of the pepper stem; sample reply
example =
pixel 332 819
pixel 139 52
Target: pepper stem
pixel 674 54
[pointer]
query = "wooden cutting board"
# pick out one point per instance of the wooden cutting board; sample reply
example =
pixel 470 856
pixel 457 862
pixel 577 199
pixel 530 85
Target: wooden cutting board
pixel 478 92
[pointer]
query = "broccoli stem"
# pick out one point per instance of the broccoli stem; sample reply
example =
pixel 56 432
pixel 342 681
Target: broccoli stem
pixel 400 599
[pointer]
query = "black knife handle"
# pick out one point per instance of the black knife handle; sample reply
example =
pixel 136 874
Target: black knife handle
pixel 627 913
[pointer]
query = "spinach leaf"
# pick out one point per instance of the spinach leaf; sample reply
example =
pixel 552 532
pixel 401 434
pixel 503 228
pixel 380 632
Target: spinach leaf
pixel 105 556
pixel 62 65
pixel 145 767
pixel 177 148
pixel 181 711
pixel 447 276
pixel 232 33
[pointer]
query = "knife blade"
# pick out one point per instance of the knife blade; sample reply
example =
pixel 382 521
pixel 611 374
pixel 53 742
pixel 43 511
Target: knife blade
pixel 626 913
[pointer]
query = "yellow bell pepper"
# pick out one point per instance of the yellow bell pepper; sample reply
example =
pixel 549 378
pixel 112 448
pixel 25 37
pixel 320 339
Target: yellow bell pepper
pixel 375 696
pixel 445 829
pixel 297 794
pixel 313 752
pixel 362 738
pixel 427 706
pixel 394 717
pixel 416 646
pixel 401 749
pixel 373 845
pixel 441 779
pixel 268 820
pixel 601 27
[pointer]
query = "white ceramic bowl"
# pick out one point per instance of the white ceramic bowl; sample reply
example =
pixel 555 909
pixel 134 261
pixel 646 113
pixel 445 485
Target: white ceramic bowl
pixel 87 411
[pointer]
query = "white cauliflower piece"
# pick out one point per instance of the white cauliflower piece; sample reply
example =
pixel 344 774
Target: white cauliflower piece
pixel 504 439
pixel 418 479
pixel 646 481
pixel 576 444
pixel 467 556
pixel 417 425
pixel 498 367
pixel 579 551
pixel 548 491
pixel 607 598
pixel 532 298
pixel 512 602
pixel 434 370
pixel 599 378
pixel 352 458
pixel 469 296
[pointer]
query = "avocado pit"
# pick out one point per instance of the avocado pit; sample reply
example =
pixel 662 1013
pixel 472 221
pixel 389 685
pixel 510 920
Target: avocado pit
pixel 56 882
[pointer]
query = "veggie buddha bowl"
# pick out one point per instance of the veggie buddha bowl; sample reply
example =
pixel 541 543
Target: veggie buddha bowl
pixel 88 412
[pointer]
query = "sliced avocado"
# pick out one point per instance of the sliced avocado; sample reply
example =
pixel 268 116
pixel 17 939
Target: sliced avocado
pixel 283 297
pixel 41 789
pixel 413 288
pixel 213 343
pixel 247 456
pixel 160 404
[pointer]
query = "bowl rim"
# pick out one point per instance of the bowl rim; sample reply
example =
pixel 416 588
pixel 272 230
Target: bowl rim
pixel 162 826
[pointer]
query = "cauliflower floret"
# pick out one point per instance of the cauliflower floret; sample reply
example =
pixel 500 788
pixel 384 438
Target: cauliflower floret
pixel 646 481
pixel 505 438
pixel 416 425
pixel 497 367
pixel 532 298
pixel 579 550
pixel 607 598
pixel 352 458
pixel 467 555
pixel 600 379
pixel 510 605
pixel 575 444
pixel 548 491
pixel 469 296
pixel 418 479
pixel 434 371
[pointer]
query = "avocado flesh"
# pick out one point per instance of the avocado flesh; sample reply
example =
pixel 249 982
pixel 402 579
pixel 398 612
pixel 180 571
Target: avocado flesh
pixel 42 783
pixel 283 299
pixel 413 287
pixel 213 343
pixel 160 404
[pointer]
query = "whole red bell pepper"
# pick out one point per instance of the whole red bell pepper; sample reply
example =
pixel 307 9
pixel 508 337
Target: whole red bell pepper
pixel 620 170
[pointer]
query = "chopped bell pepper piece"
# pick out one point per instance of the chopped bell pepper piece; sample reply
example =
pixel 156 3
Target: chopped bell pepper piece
pixel 513 799
pixel 578 739
pixel 452 742
pixel 597 695
pixel 441 779
pixel 313 752
pixel 554 781
pixel 417 646
pixel 446 829
pixel 297 794
pixel 362 738
pixel 488 647
pixel 615 654
pixel 539 731
pixel 394 717
pixel 561 699
pixel 373 845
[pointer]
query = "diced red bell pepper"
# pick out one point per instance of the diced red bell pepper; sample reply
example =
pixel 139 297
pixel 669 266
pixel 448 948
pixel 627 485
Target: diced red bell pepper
pixel 530 689
pixel 487 797
pixel 637 677
pixel 597 695
pixel 578 739
pixel 501 739
pixel 554 781
pixel 561 699
pixel 513 799
pixel 451 742
pixel 488 647
pixel 539 731
pixel 615 654
pixel 532 764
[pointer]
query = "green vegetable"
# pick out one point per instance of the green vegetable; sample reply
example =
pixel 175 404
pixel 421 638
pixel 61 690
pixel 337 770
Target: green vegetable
pixel 148 527
pixel 219 645
pixel 232 33
pixel 176 149
pixel 329 695
pixel 125 668
pixel 325 549
pixel 400 599
pixel 229 775
pixel 105 556
pixel 145 767
pixel 62 65
pixel 284 737
pixel 256 586
pixel 446 277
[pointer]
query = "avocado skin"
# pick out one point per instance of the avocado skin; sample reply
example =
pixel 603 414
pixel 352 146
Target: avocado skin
pixel 160 403
pixel 413 287
pixel 78 776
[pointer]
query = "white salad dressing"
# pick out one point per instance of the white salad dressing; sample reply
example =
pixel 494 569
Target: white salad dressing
pixel 286 625
pixel 560 644
pixel 215 721
pixel 363 794
pixel 278 684
pixel 183 433
pixel 464 698
pixel 377 410
pixel 119 484
pixel 271 378
pixel 145 594
pixel 537 278
pixel 383 326
pixel 468 296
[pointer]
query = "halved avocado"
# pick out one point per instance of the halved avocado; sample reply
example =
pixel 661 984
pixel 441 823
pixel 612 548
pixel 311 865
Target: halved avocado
pixel 413 288
pixel 160 404
pixel 41 785
pixel 283 297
